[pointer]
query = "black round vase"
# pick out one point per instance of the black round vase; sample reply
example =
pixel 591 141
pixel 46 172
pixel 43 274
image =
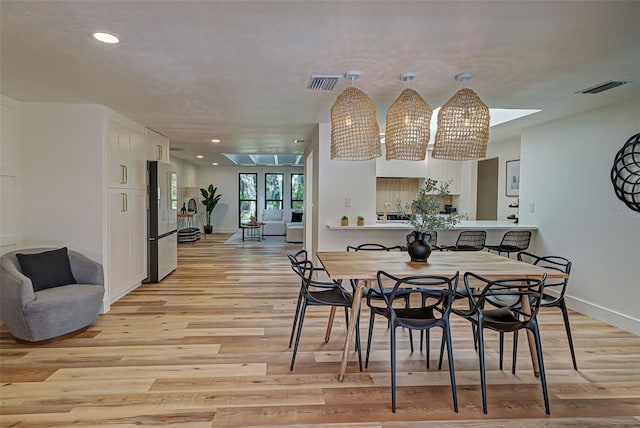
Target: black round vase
pixel 208 229
pixel 419 249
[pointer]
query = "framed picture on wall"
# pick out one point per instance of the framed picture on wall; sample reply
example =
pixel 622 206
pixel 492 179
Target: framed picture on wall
pixel 513 178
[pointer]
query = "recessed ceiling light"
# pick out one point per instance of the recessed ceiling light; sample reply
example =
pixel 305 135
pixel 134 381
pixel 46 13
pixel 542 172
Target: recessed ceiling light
pixel 106 38
pixel 215 140
pixel 215 164
pixel 200 156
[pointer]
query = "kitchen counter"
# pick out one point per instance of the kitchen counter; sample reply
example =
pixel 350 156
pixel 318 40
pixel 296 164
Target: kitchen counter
pixel 463 225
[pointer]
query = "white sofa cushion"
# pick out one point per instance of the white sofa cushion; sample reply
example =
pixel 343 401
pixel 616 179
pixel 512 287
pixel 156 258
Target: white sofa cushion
pixel 272 215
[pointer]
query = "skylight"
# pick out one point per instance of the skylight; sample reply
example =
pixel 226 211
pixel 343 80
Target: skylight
pixel 265 160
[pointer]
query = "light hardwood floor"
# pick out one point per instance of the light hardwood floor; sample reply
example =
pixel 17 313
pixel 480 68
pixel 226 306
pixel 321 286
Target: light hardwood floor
pixel 207 347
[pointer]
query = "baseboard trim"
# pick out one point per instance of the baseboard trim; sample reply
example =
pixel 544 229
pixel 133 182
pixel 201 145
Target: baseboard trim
pixel 603 314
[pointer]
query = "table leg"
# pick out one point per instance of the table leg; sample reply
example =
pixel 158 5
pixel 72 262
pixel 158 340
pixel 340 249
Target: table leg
pixel 332 315
pixel 243 234
pixel 526 308
pixel 353 319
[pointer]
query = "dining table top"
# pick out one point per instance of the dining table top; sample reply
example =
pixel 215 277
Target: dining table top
pixel 364 265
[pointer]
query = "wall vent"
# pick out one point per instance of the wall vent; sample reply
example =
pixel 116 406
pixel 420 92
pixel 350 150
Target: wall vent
pixel 322 83
pixel 603 87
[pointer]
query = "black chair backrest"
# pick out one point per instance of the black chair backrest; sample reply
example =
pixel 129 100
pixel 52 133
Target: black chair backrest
pixel 472 239
pixel 373 247
pixel 298 256
pixel 516 239
pixel 502 289
pixel 432 237
pixel 434 287
pixel 550 262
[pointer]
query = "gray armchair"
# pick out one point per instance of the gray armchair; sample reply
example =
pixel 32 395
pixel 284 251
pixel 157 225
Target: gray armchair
pixel 46 314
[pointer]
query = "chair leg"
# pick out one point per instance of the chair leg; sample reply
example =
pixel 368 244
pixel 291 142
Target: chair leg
pixel 483 380
pixel 427 344
pixel 446 334
pixel 567 327
pixel 543 380
pixel 393 369
pixel 441 352
pixel 515 352
pixel 300 321
pixel 501 348
pixel 371 321
pixel 407 305
pixel 295 318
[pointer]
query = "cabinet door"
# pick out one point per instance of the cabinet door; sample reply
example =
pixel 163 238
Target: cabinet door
pixel 445 170
pixel 119 266
pixel 137 224
pixel 137 167
pixel 119 147
pixel 157 146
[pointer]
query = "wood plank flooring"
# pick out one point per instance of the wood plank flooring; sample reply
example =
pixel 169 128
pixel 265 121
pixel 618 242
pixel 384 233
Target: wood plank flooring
pixel 207 347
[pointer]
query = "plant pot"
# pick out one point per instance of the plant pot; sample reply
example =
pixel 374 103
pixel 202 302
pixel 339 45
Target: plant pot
pixel 208 229
pixel 344 222
pixel 360 222
pixel 419 249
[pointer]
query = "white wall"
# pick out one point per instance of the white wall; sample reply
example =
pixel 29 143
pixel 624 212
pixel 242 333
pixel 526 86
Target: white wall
pixel 10 175
pixel 565 175
pixel 505 151
pixel 225 216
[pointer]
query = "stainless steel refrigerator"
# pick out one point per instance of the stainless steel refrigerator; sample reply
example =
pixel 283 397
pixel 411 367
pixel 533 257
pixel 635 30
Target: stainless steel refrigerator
pixel 161 217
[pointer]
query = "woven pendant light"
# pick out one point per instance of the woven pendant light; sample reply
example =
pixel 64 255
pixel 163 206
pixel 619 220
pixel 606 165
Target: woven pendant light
pixel 355 134
pixel 463 126
pixel 408 125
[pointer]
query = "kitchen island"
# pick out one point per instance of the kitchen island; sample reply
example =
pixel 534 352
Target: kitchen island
pixel 395 232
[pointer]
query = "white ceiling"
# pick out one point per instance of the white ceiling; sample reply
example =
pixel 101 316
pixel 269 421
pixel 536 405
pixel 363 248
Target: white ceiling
pixel 238 70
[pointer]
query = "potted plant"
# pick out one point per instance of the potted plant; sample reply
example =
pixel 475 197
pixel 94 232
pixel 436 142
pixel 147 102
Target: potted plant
pixel 344 221
pixel 210 200
pixel 424 215
pixel 360 220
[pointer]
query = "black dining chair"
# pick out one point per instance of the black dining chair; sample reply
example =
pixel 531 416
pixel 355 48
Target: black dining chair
pixel 436 294
pixel 468 240
pixel 512 241
pixel 558 286
pixel 504 319
pixel 320 293
pixel 401 294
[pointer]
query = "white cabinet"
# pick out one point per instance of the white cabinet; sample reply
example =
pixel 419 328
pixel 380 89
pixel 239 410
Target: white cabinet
pixel 157 146
pixel 127 155
pixel 445 170
pixel 127 241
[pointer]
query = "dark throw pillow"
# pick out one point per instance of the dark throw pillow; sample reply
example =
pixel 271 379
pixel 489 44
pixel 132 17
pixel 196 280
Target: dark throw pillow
pixel 48 269
pixel 296 217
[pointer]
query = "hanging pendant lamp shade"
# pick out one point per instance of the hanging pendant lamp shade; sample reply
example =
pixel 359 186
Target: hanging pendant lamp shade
pixel 407 131
pixel 463 128
pixel 355 134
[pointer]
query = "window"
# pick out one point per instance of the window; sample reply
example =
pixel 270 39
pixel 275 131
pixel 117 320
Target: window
pixel 297 191
pixel 248 196
pixel 273 191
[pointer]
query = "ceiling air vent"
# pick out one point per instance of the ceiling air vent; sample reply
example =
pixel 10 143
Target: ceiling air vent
pixel 322 83
pixel 603 87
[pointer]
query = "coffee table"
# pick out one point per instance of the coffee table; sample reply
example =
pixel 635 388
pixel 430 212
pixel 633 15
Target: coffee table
pixel 253 231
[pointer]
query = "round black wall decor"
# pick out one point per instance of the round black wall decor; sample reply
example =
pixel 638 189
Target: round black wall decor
pixel 625 174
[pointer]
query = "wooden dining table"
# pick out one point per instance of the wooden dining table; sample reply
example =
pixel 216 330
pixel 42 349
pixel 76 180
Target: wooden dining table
pixel 363 267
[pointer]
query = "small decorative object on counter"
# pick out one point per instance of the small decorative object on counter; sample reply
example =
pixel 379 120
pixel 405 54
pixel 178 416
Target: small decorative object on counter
pixel 424 216
pixel 360 220
pixel 344 221
pixel 183 210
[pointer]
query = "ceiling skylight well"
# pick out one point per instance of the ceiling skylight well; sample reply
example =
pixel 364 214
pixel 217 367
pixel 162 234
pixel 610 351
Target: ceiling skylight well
pixel 265 160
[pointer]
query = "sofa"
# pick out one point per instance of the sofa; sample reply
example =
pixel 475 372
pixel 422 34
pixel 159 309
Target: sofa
pixel 289 223
pixel 38 313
